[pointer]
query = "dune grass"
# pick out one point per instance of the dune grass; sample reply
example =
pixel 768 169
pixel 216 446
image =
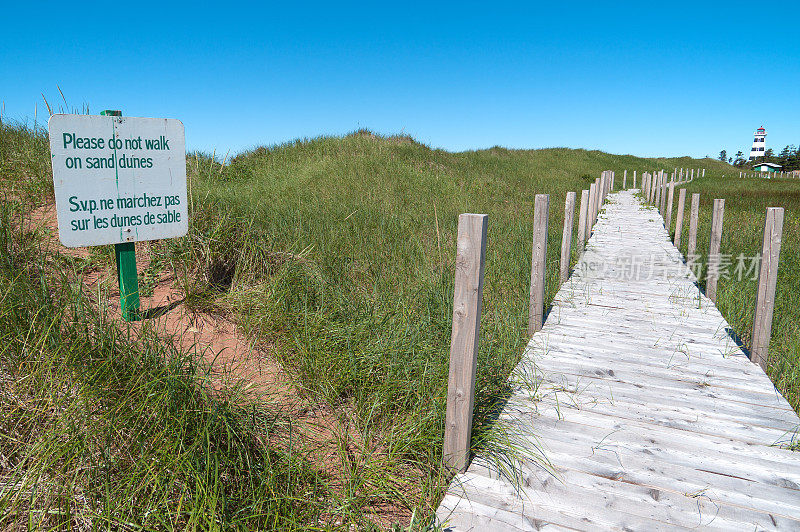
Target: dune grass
pixel 337 254
pixel 98 431
pixel 746 201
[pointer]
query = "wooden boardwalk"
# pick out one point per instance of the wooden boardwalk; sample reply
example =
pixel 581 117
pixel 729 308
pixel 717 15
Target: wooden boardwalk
pixel 650 414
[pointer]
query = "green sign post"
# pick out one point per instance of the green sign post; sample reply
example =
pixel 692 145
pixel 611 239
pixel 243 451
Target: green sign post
pixel 127 276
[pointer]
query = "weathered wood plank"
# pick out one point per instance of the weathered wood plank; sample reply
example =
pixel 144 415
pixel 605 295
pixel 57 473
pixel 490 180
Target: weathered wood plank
pixel 582 220
pixel 668 214
pixel 591 212
pixel 566 237
pixel 767 281
pixel 712 269
pixel 541 208
pixel 693 218
pixel 679 217
pixel 470 260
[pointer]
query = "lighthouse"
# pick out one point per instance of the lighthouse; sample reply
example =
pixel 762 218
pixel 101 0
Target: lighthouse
pixel 758 143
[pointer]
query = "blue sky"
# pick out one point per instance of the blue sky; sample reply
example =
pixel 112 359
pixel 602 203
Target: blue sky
pixel 685 79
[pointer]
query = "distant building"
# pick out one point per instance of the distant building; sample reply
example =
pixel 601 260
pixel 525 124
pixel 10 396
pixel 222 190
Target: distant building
pixel 758 143
pixel 766 167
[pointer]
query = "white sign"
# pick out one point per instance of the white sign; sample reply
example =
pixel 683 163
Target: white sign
pixel 118 179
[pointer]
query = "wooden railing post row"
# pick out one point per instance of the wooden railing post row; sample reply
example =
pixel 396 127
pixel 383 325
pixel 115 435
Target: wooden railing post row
pixel 679 217
pixel 566 236
pixel 767 281
pixel 541 208
pixel 470 260
pixel 584 208
pixel 694 214
pixel 712 273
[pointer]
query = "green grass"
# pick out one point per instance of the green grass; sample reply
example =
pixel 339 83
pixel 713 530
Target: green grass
pixel 338 253
pixel 746 201
pixel 98 431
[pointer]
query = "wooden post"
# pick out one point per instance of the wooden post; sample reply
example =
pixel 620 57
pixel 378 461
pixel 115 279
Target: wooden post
pixel 679 217
pixel 657 189
pixel 654 190
pixel 660 196
pixel 767 281
pixel 634 179
pixel 624 180
pixel 656 182
pixel 603 187
pixel 590 211
pixel 652 185
pixel 566 236
pixel 538 263
pixel 470 259
pixel 127 276
pixel 611 186
pixel 712 274
pixel 694 213
pixel 657 198
pixel 600 195
pixel 582 220
pixel 670 196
